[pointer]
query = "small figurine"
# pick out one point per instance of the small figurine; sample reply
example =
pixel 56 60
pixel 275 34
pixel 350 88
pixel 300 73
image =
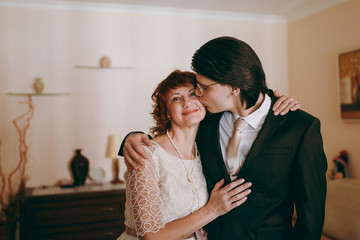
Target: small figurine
pixel 38 85
pixel 105 62
pixel 340 165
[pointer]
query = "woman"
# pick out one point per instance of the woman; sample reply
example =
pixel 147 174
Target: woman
pixel 167 197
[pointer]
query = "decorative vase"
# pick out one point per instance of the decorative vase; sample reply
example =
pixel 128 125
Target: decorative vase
pixel 79 168
pixel 38 85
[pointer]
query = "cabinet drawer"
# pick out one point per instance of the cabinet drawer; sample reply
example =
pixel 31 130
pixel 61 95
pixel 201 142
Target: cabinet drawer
pixel 81 214
pixel 71 211
pixel 98 231
pixel 59 215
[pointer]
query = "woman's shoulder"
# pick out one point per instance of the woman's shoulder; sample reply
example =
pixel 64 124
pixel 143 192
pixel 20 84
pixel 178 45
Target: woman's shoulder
pixel 156 148
pixel 156 143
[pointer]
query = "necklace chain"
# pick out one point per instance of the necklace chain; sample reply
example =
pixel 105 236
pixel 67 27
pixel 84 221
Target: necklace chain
pixel 189 175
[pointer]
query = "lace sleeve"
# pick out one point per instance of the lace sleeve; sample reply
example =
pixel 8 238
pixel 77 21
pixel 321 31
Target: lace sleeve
pixel 145 198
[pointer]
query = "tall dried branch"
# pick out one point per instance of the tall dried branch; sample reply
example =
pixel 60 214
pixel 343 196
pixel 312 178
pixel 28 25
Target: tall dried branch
pixel 3 183
pixel 22 144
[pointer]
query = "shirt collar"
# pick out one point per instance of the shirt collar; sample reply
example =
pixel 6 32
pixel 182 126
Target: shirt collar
pixel 255 118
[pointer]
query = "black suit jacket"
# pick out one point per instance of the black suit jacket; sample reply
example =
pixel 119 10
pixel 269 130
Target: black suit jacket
pixel 286 164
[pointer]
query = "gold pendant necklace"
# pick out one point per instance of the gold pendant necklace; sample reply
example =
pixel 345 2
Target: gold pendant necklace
pixel 189 175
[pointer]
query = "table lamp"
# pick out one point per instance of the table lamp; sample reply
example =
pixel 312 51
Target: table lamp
pixel 112 150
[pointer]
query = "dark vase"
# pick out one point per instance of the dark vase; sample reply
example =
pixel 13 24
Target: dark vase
pixel 79 168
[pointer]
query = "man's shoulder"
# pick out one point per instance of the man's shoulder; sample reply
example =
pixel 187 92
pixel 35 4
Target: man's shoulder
pixel 297 115
pixel 299 118
pixel 300 115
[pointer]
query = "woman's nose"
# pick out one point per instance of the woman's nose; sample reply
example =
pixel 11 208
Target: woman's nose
pixel 187 102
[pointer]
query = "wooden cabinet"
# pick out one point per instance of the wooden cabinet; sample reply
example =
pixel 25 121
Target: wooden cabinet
pixel 88 212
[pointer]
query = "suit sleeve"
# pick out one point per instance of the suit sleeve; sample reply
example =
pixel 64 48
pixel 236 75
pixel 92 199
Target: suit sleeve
pixel 124 140
pixel 310 185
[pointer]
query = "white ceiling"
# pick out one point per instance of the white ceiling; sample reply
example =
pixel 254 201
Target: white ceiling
pixel 286 9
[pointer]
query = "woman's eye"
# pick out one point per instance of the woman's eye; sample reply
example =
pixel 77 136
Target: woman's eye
pixel 192 94
pixel 175 99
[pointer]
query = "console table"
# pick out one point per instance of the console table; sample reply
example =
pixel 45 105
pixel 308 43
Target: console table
pixel 89 212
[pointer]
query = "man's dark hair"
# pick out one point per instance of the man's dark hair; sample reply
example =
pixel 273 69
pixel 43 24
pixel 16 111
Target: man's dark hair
pixel 230 61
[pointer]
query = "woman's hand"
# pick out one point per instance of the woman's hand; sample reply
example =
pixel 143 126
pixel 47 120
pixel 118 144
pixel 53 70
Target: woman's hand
pixel 223 200
pixel 284 104
pixel 133 151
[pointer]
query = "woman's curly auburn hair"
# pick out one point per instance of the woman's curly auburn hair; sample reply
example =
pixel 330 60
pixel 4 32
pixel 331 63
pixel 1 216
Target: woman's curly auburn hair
pixel 160 114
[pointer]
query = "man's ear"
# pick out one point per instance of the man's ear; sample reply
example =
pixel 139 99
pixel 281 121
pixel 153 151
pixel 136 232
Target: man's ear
pixel 234 90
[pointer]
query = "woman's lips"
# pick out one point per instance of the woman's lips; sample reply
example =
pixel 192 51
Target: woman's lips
pixel 190 112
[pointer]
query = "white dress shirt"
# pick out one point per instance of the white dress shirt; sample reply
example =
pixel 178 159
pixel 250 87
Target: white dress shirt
pixel 255 122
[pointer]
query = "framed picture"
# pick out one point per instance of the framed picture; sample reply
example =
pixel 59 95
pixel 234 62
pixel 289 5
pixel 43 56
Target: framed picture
pixel 349 82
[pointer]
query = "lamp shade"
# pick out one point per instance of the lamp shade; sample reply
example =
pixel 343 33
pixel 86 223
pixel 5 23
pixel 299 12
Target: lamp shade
pixel 113 146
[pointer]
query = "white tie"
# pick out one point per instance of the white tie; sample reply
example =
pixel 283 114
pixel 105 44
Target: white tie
pixel 233 161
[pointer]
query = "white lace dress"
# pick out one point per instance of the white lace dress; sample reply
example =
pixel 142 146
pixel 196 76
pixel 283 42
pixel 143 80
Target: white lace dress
pixel 159 192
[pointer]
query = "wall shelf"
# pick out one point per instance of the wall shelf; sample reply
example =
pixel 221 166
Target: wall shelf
pixel 98 67
pixel 36 94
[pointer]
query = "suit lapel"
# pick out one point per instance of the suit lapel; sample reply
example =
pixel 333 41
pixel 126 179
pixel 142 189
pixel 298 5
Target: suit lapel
pixel 216 162
pixel 271 124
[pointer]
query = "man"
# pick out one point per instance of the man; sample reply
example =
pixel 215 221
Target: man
pixel 282 156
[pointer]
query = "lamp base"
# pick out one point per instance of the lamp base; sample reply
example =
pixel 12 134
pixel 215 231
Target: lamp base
pixel 117 181
pixel 116 169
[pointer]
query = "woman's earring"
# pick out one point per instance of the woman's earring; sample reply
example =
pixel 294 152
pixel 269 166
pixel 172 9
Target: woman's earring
pixel 168 122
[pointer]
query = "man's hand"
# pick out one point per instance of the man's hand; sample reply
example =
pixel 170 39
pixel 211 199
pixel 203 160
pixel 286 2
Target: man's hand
pixel 133 152
pixel 284 104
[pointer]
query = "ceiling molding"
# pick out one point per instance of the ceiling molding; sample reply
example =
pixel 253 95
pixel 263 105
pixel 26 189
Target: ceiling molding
pixel 111 7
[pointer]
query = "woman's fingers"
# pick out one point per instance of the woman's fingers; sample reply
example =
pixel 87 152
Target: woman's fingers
pixel 281 104
pixel 284 104
pixel 236 192
pixel 233 184
pixel 296 106
pixel 236 197
pixel 239 192
pixel 238 203
pixel 277 94
pixel 278 102
pixel 218 185
pixel 223 200
pixel 240 188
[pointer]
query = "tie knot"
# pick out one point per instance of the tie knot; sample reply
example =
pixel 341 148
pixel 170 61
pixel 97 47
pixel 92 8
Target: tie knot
pixel 240 124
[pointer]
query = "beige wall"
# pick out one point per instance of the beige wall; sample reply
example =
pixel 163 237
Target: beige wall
pixel 46 42
pixel 314 43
